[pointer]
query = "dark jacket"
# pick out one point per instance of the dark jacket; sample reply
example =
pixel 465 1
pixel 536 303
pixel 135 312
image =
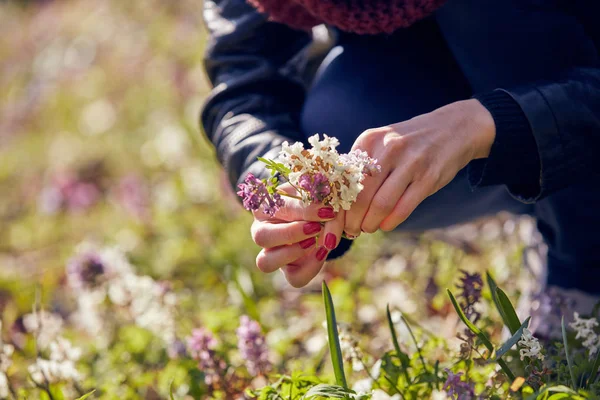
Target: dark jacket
pixel 533 63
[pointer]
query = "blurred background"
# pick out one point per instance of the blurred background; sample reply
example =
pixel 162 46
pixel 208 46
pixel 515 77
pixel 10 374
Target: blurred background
pixel 100 142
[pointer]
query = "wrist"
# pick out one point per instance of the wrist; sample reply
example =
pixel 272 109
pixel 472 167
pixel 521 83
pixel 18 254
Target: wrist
pixel 483 128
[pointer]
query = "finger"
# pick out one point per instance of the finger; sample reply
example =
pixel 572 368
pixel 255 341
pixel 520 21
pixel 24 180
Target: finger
pixel 412 197
pixel 269 234
pixel 296 210
pixel 356 214
pixel 385 199
pixel 331 236
pixel 300 272
pixel 269 260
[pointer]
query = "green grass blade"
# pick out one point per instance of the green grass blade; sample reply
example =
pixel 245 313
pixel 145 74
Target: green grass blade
pixel 85 396
pixel 568 356
pixel 334 340
pixel 512 341
pixel 402 356
pixel 510 317
pixel 594 370
pixel 493 287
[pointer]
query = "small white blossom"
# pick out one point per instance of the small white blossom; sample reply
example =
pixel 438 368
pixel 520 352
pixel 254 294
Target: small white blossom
pixel 4 389
pixel 60 366
pixel 44 326
pixel 379 394
pixel 530 346
pixel 584 329
pixel 363 386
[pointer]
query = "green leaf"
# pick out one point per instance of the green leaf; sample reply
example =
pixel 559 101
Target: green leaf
pixel 402 356
pixel 484 339
pixel 594 370
pixel 334 340
pixel 171 397
pixel 509 315
pixel 568 356
pixel 512 341
pixel 85 396
pixel 328 392
pixel 482 336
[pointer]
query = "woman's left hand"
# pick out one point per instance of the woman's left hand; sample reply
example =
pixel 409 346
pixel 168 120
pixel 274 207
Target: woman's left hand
pixel 418 157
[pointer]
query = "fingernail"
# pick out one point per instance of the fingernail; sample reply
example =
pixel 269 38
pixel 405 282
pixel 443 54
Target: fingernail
pixel 326 212
pixel 306 243
pixel 321 253
pixel 311 227
pixel 330 241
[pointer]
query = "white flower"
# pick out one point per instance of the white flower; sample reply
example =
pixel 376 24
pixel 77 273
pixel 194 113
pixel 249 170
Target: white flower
pixel 379 394
pixel 530 346
pixel 363 386
pixel 4 389
pixel 60 367
pixel 6 353
pixel 44 326
pixel 344 173
pixel 584 329
pixel 439 395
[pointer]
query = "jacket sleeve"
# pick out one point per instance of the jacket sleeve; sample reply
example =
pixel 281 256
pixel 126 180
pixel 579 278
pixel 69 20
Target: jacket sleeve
pixel 558 122
pixel 258 91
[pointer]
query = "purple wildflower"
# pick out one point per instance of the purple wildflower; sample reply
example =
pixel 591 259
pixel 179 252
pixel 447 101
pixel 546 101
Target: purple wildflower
pixel 252 345
pixel 254 193
pixel 132 193
pixel 316 185
pixel 201 346
pixel 470 293
pixel 86 270
pixel 457 388
pixel 177 349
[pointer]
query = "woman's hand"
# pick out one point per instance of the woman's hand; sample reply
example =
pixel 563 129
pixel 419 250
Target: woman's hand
pixel 418 157
pixel 289 239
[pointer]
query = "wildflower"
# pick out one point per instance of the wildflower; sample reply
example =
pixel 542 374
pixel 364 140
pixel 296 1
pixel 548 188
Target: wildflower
pixel 255 193
pixel 59 367
pixel 201 346
pixel 149 304
pixel 85 270
pixel 530 346
pixel 317 186
pixel 456 388
pixel 470 293
pixel 44 326
pixel 323 174
pixel 381 395
pixel 176 349
pixel 350 349
pixel 584 329
pixel 252 346
pixel 4 388
pixel 133 195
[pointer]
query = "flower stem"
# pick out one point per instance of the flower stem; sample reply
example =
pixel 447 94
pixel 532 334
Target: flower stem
pixel 282 193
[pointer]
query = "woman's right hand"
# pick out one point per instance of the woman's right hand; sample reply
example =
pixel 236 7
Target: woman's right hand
pixel 288 239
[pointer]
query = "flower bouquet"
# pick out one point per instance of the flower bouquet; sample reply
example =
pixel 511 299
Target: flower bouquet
pixel 319 175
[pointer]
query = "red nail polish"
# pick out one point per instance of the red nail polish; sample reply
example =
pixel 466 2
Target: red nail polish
pixel 321 253
pixel 326 212
pixel 311 227
pixel 306 243
pixel 330 241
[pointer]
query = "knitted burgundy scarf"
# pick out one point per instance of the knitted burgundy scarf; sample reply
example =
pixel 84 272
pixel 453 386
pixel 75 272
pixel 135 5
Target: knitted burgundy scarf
pixel 357 16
